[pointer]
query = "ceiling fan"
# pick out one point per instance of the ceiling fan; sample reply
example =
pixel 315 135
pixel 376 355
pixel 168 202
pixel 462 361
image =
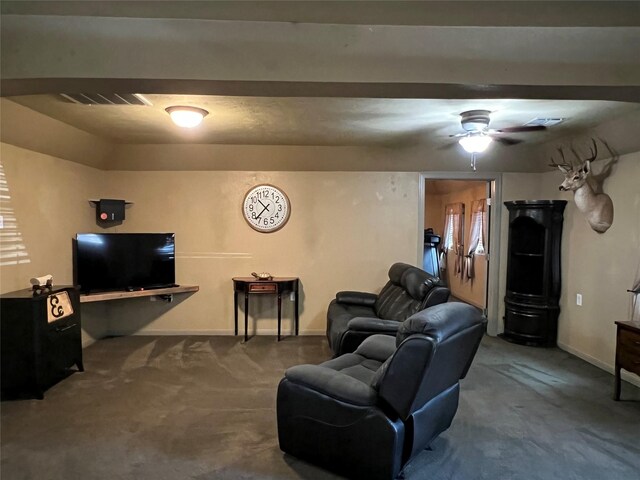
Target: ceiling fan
pixel 477 135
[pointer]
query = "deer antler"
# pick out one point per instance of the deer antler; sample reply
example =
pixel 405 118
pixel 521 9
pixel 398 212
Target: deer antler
pixel 593 150
pixel 564 163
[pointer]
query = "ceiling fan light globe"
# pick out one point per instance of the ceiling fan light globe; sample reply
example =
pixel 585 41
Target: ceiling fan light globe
pixel 475 143
pixel 187 117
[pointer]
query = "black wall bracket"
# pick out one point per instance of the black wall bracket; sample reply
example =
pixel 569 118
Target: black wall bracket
pixel 109 211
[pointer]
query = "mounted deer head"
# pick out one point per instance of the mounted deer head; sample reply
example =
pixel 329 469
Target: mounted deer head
pixel 597 207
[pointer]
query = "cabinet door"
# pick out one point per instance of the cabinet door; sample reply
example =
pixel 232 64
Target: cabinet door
pixel 61 348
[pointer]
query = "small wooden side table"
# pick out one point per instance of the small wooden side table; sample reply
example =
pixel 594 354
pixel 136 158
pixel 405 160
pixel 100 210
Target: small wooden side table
pixel 627 352
pixel 275 286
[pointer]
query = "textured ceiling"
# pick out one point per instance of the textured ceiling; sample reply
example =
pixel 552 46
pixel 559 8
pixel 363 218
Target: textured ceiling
pixel 318 121
pixel 362 74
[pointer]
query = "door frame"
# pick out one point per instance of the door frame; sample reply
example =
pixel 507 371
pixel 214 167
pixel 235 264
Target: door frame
pixel 495 220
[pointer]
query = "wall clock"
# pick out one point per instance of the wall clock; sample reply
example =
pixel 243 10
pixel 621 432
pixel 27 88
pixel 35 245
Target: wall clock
pixel 266 208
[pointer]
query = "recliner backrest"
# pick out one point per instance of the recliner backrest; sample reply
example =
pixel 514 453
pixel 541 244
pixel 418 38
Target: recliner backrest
pixel 405 293
pixel 435 349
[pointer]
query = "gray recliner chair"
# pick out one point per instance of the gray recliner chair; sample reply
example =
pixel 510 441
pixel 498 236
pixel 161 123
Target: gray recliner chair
pixel 366 414
pixel 354 316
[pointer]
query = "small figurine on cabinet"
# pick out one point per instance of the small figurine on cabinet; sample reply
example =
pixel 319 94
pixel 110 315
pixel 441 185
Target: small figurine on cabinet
pixel 262 275
pixel 41 284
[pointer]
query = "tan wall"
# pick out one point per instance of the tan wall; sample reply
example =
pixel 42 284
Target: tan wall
pixel 473 291
pixel 599 266
pixel 47 205
pixel 344 232
pixel 37 132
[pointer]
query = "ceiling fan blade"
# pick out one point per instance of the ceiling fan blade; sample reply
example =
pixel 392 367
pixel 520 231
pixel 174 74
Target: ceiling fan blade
pixel 524 128
pixel 459 135
pixel 506 141
pixel 448 146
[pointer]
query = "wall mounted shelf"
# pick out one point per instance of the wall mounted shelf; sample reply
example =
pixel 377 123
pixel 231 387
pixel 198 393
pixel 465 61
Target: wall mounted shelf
pixel 157 292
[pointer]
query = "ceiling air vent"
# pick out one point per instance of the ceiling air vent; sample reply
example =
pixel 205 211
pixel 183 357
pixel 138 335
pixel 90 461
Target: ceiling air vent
pixel 106 98
pixel 544 122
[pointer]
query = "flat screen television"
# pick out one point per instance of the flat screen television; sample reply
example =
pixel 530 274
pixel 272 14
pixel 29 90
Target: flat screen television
pixel 124 261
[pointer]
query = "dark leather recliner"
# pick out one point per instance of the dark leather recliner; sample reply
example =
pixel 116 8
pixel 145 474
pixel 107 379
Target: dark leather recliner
pixel 366 414
pixel 354 316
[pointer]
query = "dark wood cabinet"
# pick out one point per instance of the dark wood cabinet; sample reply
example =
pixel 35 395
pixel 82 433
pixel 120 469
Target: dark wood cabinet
pixel 533 271
pixel 627 352
pixel 40 340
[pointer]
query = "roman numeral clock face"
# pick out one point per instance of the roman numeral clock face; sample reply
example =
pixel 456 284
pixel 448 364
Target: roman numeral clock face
pixel 266 208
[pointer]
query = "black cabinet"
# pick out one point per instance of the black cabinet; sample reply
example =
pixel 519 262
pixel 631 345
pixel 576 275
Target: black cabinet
pixel 40 339
pixel 533 271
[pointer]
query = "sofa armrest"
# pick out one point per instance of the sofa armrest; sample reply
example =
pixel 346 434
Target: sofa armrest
pixel 333 384
pixel 377 347
pixel 373 325
pixel 357 298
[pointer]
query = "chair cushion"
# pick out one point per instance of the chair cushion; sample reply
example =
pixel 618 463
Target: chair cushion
pixel 405 292
pixel 325 381
pixel 377 347
pixel 395 303
pixel 355 366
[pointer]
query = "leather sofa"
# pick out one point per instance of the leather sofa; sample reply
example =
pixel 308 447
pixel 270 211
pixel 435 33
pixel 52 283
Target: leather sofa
pixel 354 316
pixel 366 414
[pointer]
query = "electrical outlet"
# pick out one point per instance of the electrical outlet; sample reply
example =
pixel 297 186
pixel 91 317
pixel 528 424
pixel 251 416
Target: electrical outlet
pixel 579 299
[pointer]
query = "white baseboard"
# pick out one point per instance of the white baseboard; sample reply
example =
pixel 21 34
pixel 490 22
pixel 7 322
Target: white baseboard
pixel 629 377
pixel 88 341
pixel 212 332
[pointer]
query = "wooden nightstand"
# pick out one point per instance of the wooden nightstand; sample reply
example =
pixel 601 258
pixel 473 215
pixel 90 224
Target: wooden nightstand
pixel 627 352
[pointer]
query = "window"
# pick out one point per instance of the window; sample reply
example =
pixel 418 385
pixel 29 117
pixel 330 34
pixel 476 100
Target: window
pixel 477 235
pixel 448 231
pixel 453 234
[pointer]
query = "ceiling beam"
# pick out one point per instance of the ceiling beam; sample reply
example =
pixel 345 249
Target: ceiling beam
pixel 14 87
pixel 423 13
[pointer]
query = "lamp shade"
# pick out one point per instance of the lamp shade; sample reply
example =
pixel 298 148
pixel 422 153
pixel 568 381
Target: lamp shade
pixel 475 142
pixel 187 117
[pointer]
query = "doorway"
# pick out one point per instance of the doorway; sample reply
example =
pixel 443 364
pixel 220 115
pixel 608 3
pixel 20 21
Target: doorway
pixel 463 211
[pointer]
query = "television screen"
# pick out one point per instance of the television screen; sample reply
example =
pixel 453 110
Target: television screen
pixel 124 261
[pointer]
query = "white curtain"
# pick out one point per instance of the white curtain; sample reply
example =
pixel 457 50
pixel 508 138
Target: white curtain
pixel 477 236
pixel 453 231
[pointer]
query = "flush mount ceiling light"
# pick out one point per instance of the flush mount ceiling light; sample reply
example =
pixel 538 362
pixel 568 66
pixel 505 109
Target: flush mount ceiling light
pixel 187 117
pixel 474 143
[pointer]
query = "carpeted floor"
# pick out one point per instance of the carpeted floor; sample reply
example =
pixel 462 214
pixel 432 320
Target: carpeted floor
pixel 204 408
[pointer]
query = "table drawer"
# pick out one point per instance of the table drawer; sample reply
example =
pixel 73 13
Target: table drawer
pixel 629 342
pixel 629 360
pixel 263 288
